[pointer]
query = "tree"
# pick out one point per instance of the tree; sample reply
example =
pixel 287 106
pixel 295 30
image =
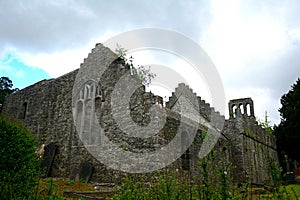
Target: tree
pixel 288 131
pixel 5 88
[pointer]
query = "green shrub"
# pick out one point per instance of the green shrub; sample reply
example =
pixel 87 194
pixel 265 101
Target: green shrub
pixel 165 186
pixel 213 182
pixel 18 161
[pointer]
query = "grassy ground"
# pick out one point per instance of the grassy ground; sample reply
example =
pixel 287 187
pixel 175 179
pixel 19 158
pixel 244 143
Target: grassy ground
pixel 290 192
pixel 294 190
pixel 56 187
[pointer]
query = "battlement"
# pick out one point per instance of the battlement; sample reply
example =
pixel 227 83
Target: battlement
pixel 204 108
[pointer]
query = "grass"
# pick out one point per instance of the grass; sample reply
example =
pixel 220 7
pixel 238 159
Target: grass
pixel 59 186
pixel 285 192
pixel 294 190
pixel 56 187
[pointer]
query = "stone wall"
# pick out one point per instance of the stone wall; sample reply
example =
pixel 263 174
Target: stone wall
pixel 253 148
pixel 47 109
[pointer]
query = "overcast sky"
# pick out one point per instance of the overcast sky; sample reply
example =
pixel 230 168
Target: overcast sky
pixel 255 45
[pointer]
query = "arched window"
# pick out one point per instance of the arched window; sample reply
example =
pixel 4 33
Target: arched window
pixel 248 109
pixel 241 106
pixel 234 107
pixel 98 102
pixel 185 160
pixel 24 110
pixel 186 156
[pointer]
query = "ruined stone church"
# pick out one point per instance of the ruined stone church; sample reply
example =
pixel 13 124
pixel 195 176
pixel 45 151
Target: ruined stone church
pixel 48 108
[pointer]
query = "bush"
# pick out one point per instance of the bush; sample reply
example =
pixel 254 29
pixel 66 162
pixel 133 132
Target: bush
pixel 213 182
pixel 18 161
pixel 166 186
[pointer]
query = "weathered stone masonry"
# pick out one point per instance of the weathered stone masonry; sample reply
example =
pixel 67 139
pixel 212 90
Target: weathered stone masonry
pixel 253 148
pixel 46 108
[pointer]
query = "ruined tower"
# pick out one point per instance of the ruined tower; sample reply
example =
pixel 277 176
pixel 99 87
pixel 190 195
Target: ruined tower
pixel 253 149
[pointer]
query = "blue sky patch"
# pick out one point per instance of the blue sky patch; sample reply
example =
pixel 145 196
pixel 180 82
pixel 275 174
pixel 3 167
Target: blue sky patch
pixel 21 74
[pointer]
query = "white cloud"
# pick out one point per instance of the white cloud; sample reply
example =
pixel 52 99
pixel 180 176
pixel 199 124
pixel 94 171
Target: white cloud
pixel 235 38
pixel 254 44
pixel 56 64
pixel 61 62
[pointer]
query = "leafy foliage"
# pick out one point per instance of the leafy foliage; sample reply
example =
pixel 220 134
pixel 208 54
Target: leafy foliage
pixel 215 183
pixel 287 132
pixel 19 163
pixel 5 88
pixel 266 124
pixel 169 186
pixel 141 72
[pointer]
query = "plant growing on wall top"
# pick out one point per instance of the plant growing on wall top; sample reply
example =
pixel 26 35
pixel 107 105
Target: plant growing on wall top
pixel 266 124
pixel 141 72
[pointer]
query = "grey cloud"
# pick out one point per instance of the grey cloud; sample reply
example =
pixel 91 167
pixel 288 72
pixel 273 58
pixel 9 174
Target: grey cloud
pixel 45 26
pixel 275 74
pixel 54 26
pixel 278 70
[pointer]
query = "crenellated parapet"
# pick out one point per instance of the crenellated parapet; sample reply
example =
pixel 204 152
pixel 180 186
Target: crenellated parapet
pixel 207 112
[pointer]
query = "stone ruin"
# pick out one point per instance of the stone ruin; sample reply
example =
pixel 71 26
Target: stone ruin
pixel 47 109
